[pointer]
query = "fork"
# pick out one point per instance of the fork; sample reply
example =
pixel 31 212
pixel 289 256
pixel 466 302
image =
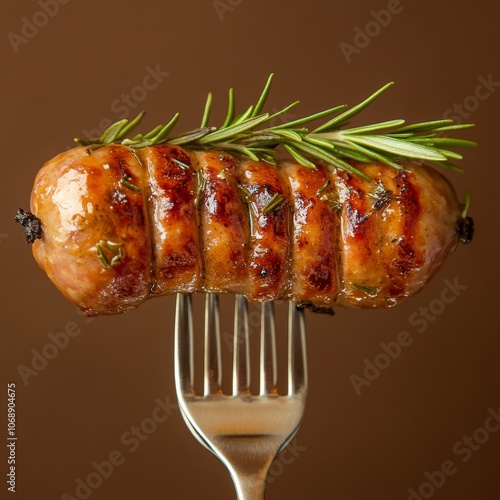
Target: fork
pixel 243 430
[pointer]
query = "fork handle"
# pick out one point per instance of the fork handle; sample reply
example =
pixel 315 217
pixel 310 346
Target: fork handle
pixel 249 469
pixel 249 486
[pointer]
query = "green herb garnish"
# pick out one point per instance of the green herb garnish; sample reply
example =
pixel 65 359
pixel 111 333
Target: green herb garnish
pixel 109 252
pixel 369 290
pixel 125 180
pixel 332 142
pixel 201 182
pixel 276 202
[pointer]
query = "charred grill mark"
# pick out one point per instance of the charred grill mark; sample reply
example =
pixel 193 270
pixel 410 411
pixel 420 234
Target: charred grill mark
pixel 219 200
pixel 172 180
pixel 315 233
pixel 355 210
pixel 270 238
pixel 223 226
pixel 269 268
pixel 129 279
pixel 179 261
pixel 380 243
pixel 171 193
pixel 320 275
pixel 410 211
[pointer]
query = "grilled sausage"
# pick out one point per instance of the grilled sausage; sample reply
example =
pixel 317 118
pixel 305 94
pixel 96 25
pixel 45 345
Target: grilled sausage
pixel 123 225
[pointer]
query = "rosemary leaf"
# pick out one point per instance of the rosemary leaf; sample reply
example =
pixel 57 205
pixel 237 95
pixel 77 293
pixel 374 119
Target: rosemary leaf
pixel 268 157
pixel 350 151
pixel 275 203
pixel 263 97
pixel 323 187
pixel 136 144
pixel 398 147
pixel 372 155
pixel 351 112
pixel 374 127
pixel 193 136
pixel 131 125
pixel 289 134
pixel 109 252
pixel 310 118
pixel 261 138
pixel 331 142
pixel 299 158
pixel 329 158
pixel 239 149
pixel 163 132
pixel 244 116
pixel 151 133
pixel 445 141
pixel 328 145
pixel 137 159
pixel 202 182
pixel 425 126
pixel 282 112
pixel 230 109
pixel 220 135
pixel 206 112
pixel 125 180
pixel 112 132
pixel 450 154
pixel 369 290
pixel 458 126
pixel 181 164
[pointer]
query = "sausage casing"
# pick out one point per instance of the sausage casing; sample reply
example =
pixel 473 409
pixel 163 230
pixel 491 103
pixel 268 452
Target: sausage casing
pixel 121 225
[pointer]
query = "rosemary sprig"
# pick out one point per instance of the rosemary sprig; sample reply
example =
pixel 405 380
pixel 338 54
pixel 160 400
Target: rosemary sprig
pixel 369 290
pixel 125 181
pixel 332 142
pixel 109 252
pixel 276 202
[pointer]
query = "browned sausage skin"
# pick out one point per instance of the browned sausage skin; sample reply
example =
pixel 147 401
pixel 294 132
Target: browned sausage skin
pixel 87 210
pixel 123 225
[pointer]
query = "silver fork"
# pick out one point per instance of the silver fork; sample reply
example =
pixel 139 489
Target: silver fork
pixel 244 431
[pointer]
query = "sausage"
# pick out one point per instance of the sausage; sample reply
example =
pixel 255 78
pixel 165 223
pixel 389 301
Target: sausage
pixel 122 225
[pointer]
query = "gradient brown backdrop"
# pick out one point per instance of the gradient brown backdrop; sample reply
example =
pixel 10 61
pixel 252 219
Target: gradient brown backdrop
pixel 83 405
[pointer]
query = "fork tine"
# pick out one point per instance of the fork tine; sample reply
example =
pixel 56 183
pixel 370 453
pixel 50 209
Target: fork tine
pixel 297 356
pixel 183 347
pixel 245 437
pixel 241 351
pixel 268 371
pixel 213 366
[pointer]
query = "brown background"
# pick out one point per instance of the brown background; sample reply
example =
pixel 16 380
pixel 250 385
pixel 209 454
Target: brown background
pixel 375 445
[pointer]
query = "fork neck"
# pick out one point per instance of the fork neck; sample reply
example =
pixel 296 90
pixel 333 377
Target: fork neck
pixel 250 486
